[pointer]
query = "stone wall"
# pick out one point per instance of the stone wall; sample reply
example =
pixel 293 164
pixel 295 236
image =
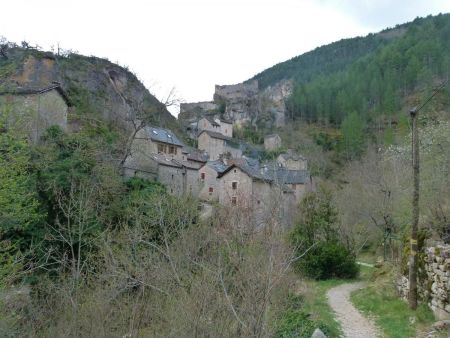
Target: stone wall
pixel 34 113
pixel 434 280
pixel 272 142
pixel 237 91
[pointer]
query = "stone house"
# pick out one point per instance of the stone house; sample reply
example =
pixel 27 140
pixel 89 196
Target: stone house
pixel 272 142
pixel 226 127
pixel 292 161
pixel 298 181
pixel 217 145
pixel 209 181
pixel 254 189
pixel 217 125
pixel 33 110
pixel 208 123
pixel 157 154
pixel 194 156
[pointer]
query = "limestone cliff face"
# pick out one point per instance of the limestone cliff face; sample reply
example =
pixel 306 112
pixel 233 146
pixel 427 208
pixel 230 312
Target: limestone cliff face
pixel 95 86
pixel 242 103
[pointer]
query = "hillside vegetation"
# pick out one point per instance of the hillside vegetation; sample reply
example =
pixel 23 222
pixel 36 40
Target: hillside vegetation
pixel 97 88
pixel 374 76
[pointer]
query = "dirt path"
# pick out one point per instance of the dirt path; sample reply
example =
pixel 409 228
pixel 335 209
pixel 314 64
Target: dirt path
pixel 353 323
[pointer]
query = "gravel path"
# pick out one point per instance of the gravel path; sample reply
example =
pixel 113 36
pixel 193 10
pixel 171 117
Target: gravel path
pixel 353 323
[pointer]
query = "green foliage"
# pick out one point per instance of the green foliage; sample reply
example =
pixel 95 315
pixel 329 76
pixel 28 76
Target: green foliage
pixel 329 260
pixel 296 322
pixel 391 313
pixel 316 238
pixel 20 212
pixel 374 74
pixel 353 136
pixel 328 141
pixel 249 133
pixel 270 155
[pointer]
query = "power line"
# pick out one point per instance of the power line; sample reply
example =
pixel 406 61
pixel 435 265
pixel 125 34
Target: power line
pixel 438 89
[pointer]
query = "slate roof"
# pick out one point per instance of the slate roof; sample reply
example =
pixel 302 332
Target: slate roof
pixel 291 155
pixel 218 166
pixel 292 176
pixel 250 167
pixel 163 135
pixel 211 120
pixel 226 121
pixel 194 154
pixel 217 135
pixel 163 160
pixel 268 173
pixel 230 141
pixel 33 91
pixel 188 165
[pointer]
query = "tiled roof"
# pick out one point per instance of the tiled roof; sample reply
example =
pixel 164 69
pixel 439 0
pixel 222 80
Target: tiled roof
pixel 163 135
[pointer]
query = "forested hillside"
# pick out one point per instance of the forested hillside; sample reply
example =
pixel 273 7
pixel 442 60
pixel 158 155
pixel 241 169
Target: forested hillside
pixel 374 76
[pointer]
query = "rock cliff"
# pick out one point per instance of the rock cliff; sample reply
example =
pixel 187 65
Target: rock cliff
pixel 96 87
pixel 242 103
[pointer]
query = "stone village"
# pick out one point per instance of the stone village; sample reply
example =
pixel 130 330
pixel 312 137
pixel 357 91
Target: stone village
pixel 222 169
pixel 219 170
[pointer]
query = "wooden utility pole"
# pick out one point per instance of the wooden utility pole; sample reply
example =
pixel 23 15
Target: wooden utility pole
pixel 415 204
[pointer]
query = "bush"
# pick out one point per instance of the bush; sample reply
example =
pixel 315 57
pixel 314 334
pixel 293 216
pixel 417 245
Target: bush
pixel 317 234
pixel 329 260
pixel 295 322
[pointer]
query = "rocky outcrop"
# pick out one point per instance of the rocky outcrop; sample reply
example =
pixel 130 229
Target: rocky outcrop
pixel 95 86
pixel 434 280
pixel 242 103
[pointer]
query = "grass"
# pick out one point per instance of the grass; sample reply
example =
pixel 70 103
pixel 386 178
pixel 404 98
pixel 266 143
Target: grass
pixel 390 313
pixel 316 304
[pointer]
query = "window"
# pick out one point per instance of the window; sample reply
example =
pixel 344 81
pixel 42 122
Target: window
pixel 211 189
pixel 235 171
pixel 294 186
pixel 172 176
pixel 202 176
pixel 161 148
pixel 258 202
pixel 234 185
pixel 233 200
pixel 172 150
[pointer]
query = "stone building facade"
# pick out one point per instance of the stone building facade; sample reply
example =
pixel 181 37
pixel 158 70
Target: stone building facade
pixel 292 161
pixel 272 142
pixel 157 154
pixel 33 111
pixel 209 180
pixel 217 145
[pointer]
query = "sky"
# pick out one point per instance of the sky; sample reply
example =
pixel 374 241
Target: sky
pixel 191 45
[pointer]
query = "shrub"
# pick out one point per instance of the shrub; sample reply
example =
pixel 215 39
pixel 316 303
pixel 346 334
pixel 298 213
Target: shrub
pixel 329 259
pixel 317 234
